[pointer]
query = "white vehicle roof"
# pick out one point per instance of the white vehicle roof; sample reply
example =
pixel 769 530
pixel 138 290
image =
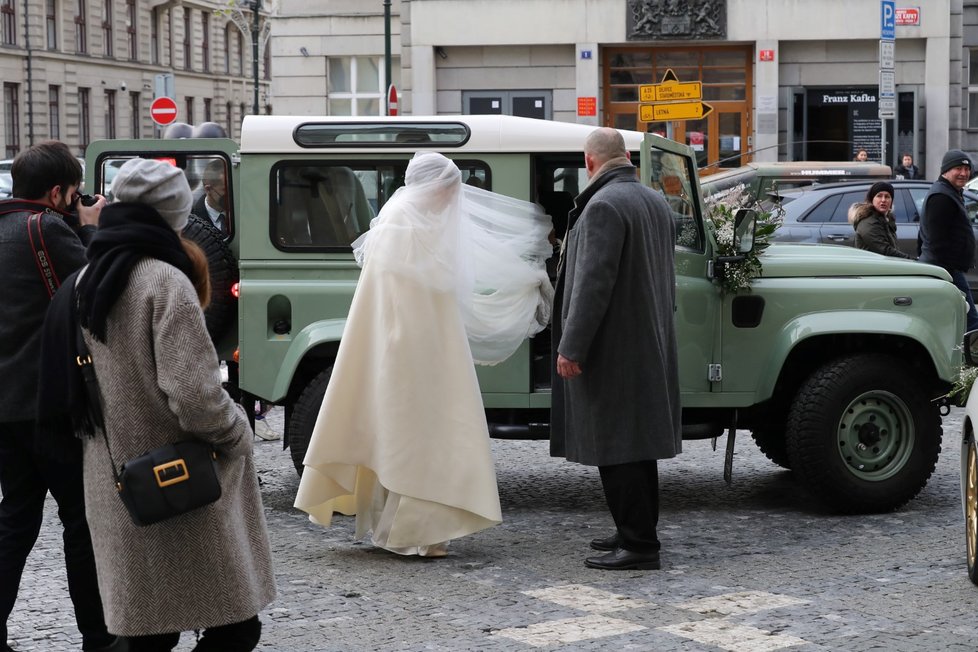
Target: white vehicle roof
pixel 262 134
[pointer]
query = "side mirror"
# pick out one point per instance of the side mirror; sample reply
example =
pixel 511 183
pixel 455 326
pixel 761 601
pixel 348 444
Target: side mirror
pixel 971 348
pixel 745 224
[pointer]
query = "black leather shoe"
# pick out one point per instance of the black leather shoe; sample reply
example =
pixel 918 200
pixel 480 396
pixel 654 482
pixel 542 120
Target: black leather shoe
pixel 622 559
pixel 607 543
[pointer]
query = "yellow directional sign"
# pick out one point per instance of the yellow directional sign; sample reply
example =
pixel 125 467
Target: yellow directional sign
pixel 670 90
pixel 674 111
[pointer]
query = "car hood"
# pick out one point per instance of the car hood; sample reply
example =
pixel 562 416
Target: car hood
pixel 794 260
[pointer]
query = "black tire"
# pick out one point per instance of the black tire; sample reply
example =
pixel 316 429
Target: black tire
pixel 223 309
pixel 299 427
pixel 862 435
pixel 971 509
pixel 771 441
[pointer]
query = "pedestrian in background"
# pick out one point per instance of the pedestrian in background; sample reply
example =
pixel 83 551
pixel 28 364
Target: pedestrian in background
pixel 46 178
pixel 616 387
pixel 140 306
pixel 946 237
pixel 874 223
pixel 861 156
pixel 906 169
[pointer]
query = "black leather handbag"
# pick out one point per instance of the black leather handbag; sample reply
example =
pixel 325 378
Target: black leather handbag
pixel 164 482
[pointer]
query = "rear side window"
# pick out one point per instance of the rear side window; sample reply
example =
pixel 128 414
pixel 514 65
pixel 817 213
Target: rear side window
pixel 824 210
pixel 324 206
pixel 841 213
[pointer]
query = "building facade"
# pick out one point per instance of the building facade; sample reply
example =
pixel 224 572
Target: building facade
pixel 783 79
pixel 79 70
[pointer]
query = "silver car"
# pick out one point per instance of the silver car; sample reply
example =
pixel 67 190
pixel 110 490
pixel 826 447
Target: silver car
pixel 820 214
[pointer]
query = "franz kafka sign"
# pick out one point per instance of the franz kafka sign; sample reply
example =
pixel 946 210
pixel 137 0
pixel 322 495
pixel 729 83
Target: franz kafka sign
pixel 676 19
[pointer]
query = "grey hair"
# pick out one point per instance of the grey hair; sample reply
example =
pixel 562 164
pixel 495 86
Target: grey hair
pixel 605 144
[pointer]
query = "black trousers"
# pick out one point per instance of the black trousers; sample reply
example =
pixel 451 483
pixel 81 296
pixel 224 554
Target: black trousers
pixel 25 479
pixel 236 637
pixel 632 492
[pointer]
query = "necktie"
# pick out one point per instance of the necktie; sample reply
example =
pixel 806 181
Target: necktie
pixel 222 222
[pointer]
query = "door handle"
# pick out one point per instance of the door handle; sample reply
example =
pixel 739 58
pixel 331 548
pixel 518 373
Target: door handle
pixel 837 237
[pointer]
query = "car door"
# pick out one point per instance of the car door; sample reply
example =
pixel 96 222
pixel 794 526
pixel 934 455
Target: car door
pixel 836 229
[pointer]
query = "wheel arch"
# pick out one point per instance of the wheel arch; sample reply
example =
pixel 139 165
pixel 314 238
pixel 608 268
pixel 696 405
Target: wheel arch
pixel 812 340
pixel 314 346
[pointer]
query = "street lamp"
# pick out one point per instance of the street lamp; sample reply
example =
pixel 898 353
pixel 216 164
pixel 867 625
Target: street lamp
pixel 255 8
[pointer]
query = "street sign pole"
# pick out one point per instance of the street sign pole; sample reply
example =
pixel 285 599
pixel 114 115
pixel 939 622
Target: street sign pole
pixel 886 95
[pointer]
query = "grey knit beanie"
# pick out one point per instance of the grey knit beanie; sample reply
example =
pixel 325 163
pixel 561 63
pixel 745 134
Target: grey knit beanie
pixel 158 184
pixel 953 159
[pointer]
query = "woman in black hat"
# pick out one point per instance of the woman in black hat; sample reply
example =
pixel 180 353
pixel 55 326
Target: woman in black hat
pixel 874 223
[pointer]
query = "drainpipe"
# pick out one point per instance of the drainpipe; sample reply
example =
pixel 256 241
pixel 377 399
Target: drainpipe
pixel 30 77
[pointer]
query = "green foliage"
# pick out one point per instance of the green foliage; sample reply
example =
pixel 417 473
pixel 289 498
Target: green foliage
pixel 736 275
pixel 962 385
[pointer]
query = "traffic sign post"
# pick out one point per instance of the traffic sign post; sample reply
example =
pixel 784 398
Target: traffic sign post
pixel 163 110
pixel 671 100
pixel 886 95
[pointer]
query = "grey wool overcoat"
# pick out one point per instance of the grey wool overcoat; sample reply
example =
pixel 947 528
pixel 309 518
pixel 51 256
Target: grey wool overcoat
pixel 160 382
pixel 614 314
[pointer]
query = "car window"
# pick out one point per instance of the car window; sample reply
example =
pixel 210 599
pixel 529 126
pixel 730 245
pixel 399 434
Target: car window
pixel 841 213
pixel 903 207
pixel 971 208
pixel 918 195
pixel 824 210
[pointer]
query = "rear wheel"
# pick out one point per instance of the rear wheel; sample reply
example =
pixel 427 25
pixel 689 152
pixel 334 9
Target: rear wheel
pixel 303 417
pixel 223 267
pixel 770 439
pixel 862 435
pixel 971 509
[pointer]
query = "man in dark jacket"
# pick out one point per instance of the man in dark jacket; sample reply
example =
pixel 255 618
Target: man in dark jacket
pixel 946 237
pixel 45 180
pixel 616 386
pixel 906 169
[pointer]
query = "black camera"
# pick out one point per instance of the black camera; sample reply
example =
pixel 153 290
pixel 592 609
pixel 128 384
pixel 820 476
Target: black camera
pixel 86 200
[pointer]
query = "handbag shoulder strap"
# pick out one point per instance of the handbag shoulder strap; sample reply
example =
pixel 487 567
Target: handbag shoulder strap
pixel 93 396
pixel 42 257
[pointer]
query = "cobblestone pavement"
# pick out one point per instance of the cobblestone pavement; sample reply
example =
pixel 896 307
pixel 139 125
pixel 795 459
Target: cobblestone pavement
pixel 747 568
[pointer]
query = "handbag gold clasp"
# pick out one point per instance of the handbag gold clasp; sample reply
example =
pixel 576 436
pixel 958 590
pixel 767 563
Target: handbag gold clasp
pixel 171 472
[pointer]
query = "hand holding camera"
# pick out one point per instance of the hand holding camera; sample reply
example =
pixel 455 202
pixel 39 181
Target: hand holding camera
pixel 88 207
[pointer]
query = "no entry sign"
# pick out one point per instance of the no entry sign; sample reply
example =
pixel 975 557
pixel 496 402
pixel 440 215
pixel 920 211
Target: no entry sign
pixel 163 110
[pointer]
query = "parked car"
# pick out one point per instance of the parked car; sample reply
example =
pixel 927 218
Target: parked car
pixel 763 177
pixel 969 459
pixel 6 185
pixel 820 214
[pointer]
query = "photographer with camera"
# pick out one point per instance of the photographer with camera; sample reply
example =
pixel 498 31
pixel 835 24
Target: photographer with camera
pixel 44 230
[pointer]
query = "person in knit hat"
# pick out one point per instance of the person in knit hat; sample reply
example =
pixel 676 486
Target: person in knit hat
pixel 946 237
pixel 140 309
pixel 874 222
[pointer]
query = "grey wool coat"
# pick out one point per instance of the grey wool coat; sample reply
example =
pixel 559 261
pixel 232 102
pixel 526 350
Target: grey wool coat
pixel 160 382
pixel 614 314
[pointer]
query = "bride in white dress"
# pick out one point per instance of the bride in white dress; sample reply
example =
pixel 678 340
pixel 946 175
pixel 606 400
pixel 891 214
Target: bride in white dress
pixel 451 274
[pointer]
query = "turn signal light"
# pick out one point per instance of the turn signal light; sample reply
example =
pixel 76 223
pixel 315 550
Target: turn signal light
pixel 237 355
pixel 236 290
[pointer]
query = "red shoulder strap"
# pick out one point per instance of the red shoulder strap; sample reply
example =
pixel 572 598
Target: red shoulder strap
pixel 41 255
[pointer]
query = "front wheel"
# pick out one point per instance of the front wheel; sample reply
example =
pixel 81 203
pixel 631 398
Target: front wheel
pixel 971 509
pixel 863 435
pixel 303 417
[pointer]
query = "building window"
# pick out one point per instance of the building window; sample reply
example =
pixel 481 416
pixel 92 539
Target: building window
pixel 51 23
pixel 81 39
pixel 205 41
pixel 973 89
pixel 110 114
pixel 187 53
pixel 189 102
pixel 267 60
pixel 134 116
pixel 230 120
pixel 107 34
pixel 84 118
pixel 9 22
pixel 11 118
pixel 54 112
pixel 227 48
pixel 131 27
pixel 244 110
pixel 207 109
pixel 356 85
pixel 154 35
pixel 240 43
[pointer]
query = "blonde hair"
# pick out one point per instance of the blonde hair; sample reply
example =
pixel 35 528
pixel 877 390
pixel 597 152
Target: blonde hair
pixel 200 272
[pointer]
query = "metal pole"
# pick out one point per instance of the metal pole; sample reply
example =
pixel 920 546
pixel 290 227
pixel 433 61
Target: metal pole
pixel 30 77
pixel 387 56
pixel 255 7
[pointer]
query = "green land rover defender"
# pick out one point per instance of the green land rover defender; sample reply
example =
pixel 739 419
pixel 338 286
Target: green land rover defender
pixel 835 360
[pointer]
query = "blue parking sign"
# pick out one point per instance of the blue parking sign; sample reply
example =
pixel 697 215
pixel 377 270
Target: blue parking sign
pixel 887 19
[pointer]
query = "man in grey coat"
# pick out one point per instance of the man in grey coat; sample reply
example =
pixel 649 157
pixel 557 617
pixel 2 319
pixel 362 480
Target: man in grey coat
pixel 616 387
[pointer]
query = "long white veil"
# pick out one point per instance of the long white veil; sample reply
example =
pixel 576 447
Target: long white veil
pixel 491 249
